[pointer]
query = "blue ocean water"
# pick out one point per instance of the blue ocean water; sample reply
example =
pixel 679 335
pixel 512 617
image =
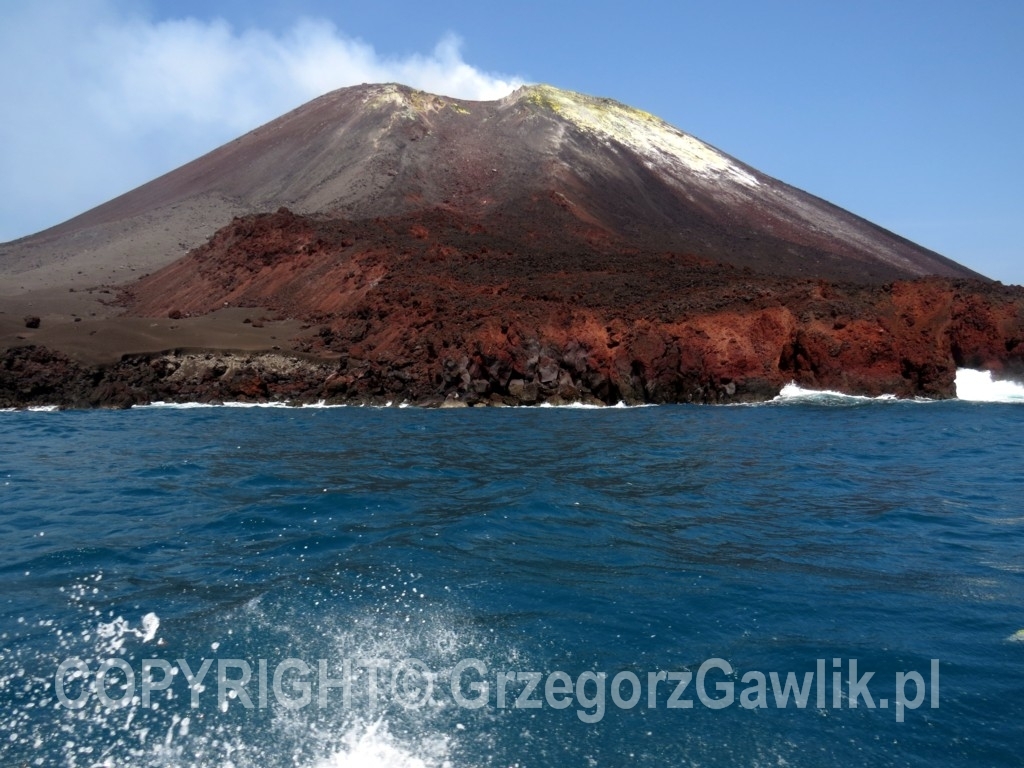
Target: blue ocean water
pixel 649 545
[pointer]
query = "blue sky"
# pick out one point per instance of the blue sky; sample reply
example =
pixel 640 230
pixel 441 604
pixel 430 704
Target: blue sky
pixel 907 113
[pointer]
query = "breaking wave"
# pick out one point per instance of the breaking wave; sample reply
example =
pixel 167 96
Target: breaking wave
pixel 979 387
pixel 792 393
pixel 971 386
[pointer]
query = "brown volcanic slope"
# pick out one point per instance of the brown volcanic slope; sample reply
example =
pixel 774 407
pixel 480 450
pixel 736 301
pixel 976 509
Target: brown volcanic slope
pixel 430 304
pixel 545 247
pixel 383 150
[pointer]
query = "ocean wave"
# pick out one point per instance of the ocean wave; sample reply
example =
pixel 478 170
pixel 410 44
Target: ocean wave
pixel 233 404
pixel 390 404
pixel 793 393
pixel 970 385
pixel 591 406
pixel 979 387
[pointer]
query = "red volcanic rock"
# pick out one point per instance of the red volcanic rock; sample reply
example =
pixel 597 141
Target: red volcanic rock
pixel 432 306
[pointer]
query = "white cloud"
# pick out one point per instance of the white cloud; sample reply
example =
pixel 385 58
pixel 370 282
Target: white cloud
pixel 97 101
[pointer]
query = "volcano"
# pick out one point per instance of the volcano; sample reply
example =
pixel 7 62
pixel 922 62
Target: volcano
pixel 385 150
pixel 397 245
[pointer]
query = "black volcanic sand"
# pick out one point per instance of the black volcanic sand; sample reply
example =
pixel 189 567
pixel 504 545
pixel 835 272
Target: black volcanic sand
pixel 92 333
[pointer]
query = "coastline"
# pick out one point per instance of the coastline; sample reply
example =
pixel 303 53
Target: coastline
pixel 35 377
pixel 731 337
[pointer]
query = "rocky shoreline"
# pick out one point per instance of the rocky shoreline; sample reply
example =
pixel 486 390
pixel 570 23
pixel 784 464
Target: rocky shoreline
pixel 906 339
pixel 34 376
pixel 431 311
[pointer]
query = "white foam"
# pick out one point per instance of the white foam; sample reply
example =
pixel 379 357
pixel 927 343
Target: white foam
pixel 390 404
pixel 793 392
pixel 355 735
pixel 178 406
pixel 575 406
pixel 113 634
pixel 150 625
pixel 234 404
pixel 979 387
pixel 373 746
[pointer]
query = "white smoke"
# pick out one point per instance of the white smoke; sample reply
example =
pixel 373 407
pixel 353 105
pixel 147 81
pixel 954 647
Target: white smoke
pixel 96 100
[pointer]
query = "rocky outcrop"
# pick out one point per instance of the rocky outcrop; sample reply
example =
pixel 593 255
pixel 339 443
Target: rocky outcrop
pixel 906 339
pixel 36 376
pixel 434 310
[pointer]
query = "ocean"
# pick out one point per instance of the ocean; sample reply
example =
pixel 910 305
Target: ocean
pixel 820 580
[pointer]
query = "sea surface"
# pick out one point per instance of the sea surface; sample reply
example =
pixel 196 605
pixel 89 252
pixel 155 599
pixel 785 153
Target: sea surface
pixel 515 587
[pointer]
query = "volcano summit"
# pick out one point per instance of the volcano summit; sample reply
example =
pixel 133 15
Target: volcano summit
pixel 384 244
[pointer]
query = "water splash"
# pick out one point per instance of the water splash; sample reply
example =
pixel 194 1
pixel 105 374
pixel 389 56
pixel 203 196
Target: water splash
pixel 979 387
pixel 167 731
pixel 373 746
pixel 792 392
